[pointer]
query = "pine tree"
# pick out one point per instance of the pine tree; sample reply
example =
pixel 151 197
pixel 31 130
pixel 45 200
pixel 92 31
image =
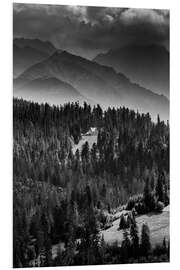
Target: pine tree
pixel 122 223
pixel 145 240
pixel 134 238
pixel 85 151
pixel 147 195
pixel 109 208
pixel 164 245
pixel 89 246
pixel 104 190
pixel 160 188
pixel 126 246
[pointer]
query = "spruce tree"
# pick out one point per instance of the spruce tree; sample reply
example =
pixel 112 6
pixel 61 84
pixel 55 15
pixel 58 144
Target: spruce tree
pixel 134 239
pixel 122 223
pixel 160 187
pixel 147 195
pixel 145 240
pixel 126 246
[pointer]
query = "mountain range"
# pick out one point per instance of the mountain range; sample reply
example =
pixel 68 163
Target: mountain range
pixel 63 77
pixel 145 65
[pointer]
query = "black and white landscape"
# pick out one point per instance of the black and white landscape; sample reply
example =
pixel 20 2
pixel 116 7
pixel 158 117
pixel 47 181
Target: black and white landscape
pixel 91 135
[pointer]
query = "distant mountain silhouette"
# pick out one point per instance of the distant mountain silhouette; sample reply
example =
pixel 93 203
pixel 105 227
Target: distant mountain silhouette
pixel 24 58
pixel 145 65
pixel 100 84
pixel 27 52
pixel 50 90
pixel 42 46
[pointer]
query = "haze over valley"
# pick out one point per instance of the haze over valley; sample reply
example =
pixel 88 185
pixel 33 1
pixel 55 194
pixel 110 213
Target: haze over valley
pixel 57 76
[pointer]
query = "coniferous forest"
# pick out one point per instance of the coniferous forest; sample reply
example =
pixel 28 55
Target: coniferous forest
pixel 91 172
pixel 64 199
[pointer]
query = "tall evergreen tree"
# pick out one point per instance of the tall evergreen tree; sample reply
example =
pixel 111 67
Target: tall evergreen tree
pixel 160 187
pixel 145 240
pixel 125 246
pixel 134 239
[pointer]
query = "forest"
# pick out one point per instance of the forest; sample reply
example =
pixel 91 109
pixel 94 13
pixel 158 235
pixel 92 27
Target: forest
pixel 62 197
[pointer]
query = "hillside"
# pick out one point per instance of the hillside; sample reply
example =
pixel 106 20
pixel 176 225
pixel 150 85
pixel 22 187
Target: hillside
pixel 48 89
pixel 91 139
pixel 158 225
pixel 25 57
pixel 59 193
pixel 27 52
pixel 145 65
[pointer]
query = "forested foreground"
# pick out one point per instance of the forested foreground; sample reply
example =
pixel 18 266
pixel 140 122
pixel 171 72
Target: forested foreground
pixel 61 197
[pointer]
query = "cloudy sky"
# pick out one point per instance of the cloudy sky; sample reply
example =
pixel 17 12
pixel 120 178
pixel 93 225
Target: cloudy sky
pixel 87 31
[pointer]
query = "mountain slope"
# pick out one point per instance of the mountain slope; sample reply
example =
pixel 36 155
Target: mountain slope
pixel 158 224
pixel 49 90
pixel 98 83
pixel 145 65
pixel 24 58
pixel 37 44
pixel 27 52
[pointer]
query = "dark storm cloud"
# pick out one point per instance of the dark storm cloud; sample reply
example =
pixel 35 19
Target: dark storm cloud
pixel 89 30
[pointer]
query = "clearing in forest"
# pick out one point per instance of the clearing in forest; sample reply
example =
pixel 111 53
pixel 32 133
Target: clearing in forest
pixel 158 224
pixel 90 137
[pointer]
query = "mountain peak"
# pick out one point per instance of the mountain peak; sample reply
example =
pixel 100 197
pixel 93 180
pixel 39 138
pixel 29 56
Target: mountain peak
pixel 59 52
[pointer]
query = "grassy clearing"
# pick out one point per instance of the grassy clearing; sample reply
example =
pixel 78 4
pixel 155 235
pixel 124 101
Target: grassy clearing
pixel 158 224
pixel 90 139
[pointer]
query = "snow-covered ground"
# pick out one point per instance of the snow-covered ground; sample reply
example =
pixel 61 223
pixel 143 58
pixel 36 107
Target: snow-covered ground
pixel 158 224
